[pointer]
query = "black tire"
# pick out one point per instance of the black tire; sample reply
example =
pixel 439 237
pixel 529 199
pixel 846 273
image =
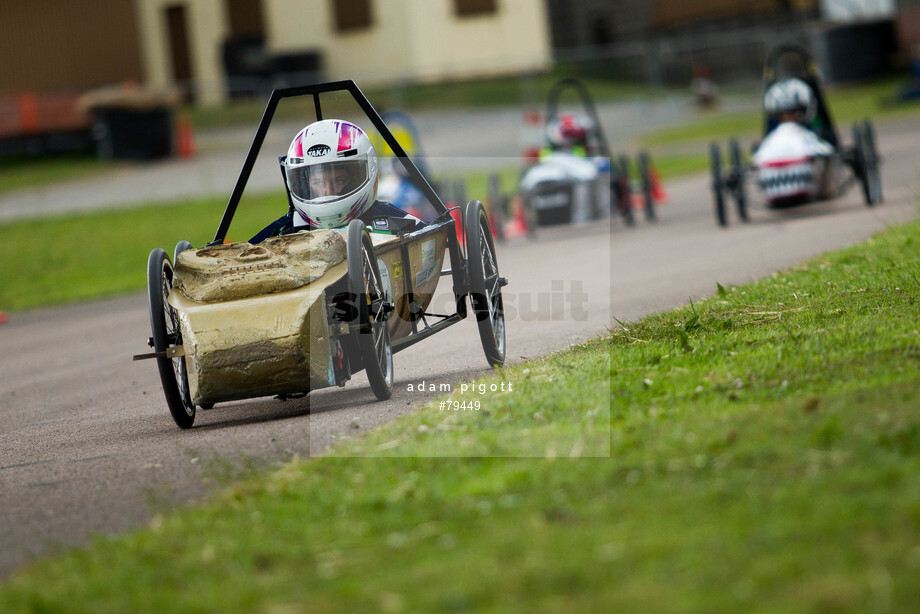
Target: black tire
pixel 645 172
pixel 181 246
pixel 738 180
pixel 372 334
pixel 624 200
pixel 873 163
pixel 862 163
pixel 530 216
pixel 715 164
pixel 485 283
pixel 164 325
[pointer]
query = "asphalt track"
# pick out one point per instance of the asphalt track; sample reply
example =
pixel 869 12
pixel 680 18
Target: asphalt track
pixel 87 444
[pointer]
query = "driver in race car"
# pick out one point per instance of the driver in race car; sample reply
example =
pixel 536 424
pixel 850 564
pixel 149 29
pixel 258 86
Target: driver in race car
pixel 792 100
pixel 330 174
pixel 569 134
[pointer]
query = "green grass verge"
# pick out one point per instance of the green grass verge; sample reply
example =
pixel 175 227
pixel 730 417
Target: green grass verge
pixel 26 172
pixel 764 457
pixel 847 105
pixel 672 166
pixel 81 257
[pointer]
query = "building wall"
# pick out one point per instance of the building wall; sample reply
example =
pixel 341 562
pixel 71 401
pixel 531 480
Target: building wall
pixel 576 23
pixel 908 32
pixel 515 38
pixel 669 12
pixel 379 52
pixel 406 39
pixel 59 45
pixel 207 25
pixel 415 38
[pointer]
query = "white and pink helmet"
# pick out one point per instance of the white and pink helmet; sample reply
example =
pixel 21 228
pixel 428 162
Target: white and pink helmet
pixel 331 173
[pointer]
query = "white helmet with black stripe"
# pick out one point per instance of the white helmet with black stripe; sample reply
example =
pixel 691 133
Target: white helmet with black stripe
pixel 331 173
pixel 790 96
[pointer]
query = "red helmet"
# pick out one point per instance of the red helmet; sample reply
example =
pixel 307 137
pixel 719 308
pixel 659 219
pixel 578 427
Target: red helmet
pixel 568 130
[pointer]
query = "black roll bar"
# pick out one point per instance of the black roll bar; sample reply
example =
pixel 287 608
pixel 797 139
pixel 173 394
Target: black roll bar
pixel 315 90
pixel 552 106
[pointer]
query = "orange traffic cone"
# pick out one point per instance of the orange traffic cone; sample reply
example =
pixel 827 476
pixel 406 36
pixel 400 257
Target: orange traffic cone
pixel 658 193
pixel 493 223
pixel 2 318
pixel 185 138
pixel 518 226
pixel 29 116
pixel 458 222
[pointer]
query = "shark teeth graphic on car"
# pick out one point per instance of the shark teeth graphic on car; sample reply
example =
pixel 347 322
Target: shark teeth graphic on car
pixel 784 181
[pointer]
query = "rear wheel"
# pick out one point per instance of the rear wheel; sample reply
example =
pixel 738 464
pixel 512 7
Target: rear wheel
pixel 715 165
pixel 624 193
pixel 645 172
pixel 164 325
pixel 485 283
pixel 872 163
pixel 372 334
pixel 860 166
pixel 738 180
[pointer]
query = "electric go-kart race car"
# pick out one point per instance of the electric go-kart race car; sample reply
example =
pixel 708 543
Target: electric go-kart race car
pixel 304 311
pixel 575 180
pixel 800 159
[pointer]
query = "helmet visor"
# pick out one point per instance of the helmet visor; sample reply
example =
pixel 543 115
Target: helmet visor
pixel 339 178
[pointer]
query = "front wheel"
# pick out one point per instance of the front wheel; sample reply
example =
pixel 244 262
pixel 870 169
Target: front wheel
pixel 861 167
pixel 715 161
pixel 872 162
pixel 485 283
pixel 372 335
pixel 164 325
pixel 738 180
pixel 624 192
pixel 645 172
pixel 181 246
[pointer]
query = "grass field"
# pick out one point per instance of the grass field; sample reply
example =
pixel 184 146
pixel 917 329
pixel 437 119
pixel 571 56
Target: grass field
pixel 847 105
pixel 764 454
pixel 93 255
pixel 524 90
pixel 21 173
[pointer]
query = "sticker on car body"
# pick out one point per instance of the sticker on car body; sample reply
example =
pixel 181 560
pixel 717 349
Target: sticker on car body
pixel 429 263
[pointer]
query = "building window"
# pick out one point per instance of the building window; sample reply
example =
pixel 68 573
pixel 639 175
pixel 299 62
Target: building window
pixel 351 15
pixel 472 8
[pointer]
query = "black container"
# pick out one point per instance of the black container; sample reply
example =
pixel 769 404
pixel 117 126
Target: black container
pixel 856 52
pixel 123 133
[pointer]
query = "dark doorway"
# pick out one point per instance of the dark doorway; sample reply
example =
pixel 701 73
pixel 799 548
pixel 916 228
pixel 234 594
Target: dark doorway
pixel 246 18
pixel 177 24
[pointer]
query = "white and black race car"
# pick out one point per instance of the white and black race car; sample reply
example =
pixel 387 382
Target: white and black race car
pixel 800 159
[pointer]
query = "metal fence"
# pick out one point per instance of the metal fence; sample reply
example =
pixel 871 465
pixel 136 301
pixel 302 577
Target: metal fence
pixel 730 57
